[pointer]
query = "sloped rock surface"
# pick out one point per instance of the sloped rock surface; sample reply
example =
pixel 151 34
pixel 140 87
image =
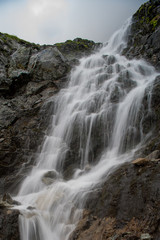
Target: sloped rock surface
pixel 125 207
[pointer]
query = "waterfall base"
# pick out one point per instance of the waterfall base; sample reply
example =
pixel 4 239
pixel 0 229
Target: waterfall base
pixel 125 207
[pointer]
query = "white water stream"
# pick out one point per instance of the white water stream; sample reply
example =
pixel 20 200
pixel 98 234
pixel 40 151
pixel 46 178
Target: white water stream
pixel 100 109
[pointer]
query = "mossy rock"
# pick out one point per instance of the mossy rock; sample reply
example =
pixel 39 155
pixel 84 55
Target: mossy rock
pixel 148 16
pixel 6 38
pixel 77 44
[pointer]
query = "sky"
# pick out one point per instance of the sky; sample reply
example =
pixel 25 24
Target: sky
pixel 53 21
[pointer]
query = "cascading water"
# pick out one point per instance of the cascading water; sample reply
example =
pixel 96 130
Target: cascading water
pixel 97 124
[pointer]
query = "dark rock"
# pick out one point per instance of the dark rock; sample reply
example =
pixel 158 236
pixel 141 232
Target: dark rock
pixel 9 228
pixel 77 48
pixel 49 177
pixel 48 64
pixel 145 31
pixel 20 58
pixel 126 206
pixel 154 155
pixel 8 199
pixel 29 75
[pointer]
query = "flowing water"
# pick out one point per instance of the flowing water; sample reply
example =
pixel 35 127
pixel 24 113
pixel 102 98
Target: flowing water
pixel 97 124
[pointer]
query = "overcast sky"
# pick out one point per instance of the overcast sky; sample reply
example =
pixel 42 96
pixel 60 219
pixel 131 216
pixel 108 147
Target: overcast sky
pixel 52 21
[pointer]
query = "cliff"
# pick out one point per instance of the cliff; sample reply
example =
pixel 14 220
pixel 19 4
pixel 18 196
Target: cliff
pixel 126 205
pixel 29 75
pixel 143 41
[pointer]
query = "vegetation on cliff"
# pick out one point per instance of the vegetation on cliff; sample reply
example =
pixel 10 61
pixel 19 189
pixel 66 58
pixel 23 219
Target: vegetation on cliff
pixel 143 41
pixel 127 204
pixel 148 17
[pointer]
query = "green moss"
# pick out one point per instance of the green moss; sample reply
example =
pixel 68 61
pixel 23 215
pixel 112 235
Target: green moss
pixel 5 37
pixel 154 21
pixel 141 8
pixel 147 19
pixel 149 9
pixel 77 44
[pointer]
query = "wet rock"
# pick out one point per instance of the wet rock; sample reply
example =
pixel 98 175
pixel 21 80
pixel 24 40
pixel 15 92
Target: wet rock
pixel 49 177
pixel 31 208
pixel 29 75
pixel 140 161
pixel 126 205
pixel 9 227
pixel 8 199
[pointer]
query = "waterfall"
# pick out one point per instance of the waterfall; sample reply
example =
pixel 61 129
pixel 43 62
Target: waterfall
pixel 97 124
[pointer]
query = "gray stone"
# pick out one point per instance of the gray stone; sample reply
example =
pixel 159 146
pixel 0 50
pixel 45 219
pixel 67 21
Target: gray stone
pixel 20 58
pixel 48 64
pixel 18 73
pixel 49 177
pixel 7 116
pixel 145 236
pixel 154 155
pixel 36 87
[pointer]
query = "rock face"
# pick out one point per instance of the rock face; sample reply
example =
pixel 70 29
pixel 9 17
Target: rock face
pixel 143 41
pixel 29 75
pixel 126 206
pixel 9 229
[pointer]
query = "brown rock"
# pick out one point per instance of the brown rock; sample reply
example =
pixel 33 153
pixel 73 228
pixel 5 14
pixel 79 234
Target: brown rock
pixel 140 161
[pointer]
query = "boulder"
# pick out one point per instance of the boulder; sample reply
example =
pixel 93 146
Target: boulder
pixel 49 177
pixel 48 64
pixel 140 161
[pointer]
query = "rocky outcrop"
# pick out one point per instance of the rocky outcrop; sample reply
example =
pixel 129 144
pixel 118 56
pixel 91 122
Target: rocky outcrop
pixel 9 229
pixel 143 41
pixel 77 48
pixel 29 75
pixel 125 207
